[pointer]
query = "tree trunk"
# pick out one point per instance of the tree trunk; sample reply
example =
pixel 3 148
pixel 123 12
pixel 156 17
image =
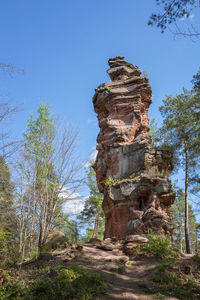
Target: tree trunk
pixel 187 241
pixel 180 238
pixel 97 224
pixel 34 213
pixel 94 229
pixel 196 241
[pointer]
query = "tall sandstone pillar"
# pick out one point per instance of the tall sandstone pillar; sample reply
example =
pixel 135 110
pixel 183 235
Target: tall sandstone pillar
pixel 131 172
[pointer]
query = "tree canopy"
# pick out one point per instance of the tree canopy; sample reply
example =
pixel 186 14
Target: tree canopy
pixel 173 11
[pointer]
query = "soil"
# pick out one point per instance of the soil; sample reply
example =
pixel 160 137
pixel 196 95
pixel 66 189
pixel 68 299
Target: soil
pixel 127 278
pixel 135 275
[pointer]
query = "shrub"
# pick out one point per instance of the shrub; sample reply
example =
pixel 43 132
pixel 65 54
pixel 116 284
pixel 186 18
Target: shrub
pixel 55 283
pixel 110 181
pixel 196 258
pixel 88 283
pixel 160 246
pixel 132 176
pixel 69 283
pixel 168 283
pixel 42 289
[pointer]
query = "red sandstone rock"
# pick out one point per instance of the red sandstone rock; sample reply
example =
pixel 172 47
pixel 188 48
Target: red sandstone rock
pixel 141 197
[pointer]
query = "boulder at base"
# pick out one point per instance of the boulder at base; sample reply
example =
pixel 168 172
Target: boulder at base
pixel 56 240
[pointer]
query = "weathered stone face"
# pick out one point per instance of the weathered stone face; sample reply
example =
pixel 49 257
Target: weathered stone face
pixel 140 194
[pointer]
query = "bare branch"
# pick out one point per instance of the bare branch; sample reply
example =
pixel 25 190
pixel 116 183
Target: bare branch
pixel 10 69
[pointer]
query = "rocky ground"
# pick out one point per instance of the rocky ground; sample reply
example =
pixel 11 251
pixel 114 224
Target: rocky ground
pixel 126 278
pixel 137 276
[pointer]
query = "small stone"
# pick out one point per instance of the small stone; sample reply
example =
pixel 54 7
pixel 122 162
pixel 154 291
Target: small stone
pixel 117 252
pixel 129 248
pixel 107 247
pixel 107 241
pixel 129 296
pixel 95 241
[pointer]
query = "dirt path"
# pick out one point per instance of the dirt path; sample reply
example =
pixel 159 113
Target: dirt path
pixel 125 282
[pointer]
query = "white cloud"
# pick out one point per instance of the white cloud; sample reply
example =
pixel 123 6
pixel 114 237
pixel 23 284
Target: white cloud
pixel 185 18
pixel 92 121
pixel 92 156
pixel 74 203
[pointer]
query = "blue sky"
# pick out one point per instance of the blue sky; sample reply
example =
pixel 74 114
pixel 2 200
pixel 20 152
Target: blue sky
pixel 63 47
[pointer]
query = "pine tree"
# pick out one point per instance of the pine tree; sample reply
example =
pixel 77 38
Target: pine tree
pixel 181 127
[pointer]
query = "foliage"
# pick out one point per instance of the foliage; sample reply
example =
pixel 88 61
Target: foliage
pixel 39 149
pixel 132 176
pixel 157 138
pixel 8 243
pixel 178 219
pixel 154 132
pixel 3 236
pixel 196 258
pixel 69 227
pixel 173 11
pixel 3 239
pixel 167 281
pixel 57 283
pixel 181 130
pixel 181 120
pixel 160 246
pixel 196 82
pixel 92 213
pixel 47 171
pixel 109 181
pixel 11 291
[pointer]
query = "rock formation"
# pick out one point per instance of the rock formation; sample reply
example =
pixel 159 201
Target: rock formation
pixel 131 172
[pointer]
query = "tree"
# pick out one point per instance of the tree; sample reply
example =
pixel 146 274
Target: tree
pixel 180 129
pixel 7 147
pixel 195 179
pixel 154 132
pixel 178 217
pixel 92 213
pixel 7 213
pixel 196 83
pixel 173 11
pixel 69 227
pixel 47 166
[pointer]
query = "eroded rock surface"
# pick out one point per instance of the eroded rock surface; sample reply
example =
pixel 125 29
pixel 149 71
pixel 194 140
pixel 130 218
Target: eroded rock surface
pixel 131 172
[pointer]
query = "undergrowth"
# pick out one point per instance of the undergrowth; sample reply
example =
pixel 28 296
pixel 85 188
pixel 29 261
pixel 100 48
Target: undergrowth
pixel 55 283
pixel 168 281
pixel 160 246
